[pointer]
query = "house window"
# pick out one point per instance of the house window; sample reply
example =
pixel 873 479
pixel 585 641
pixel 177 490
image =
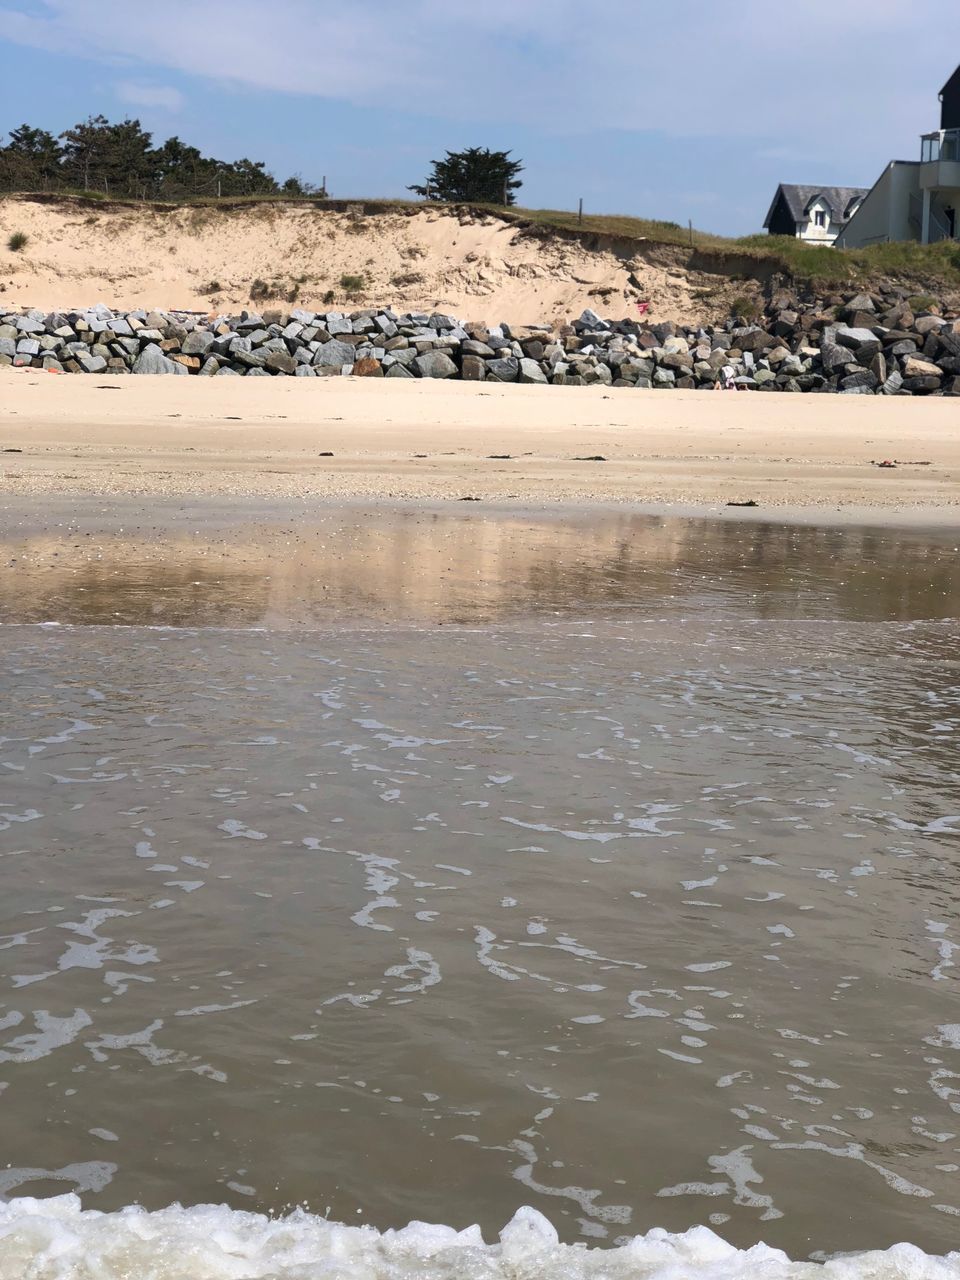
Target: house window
pixel 819 218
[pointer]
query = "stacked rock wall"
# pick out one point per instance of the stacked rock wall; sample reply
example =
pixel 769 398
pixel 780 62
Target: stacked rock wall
pixel 863 345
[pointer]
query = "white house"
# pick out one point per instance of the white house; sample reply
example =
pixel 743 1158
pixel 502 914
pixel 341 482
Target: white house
pixel 916 199
pixel 814 214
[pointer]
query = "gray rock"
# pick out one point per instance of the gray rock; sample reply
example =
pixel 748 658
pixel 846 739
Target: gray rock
pixel 335 323
pixel 334 354
pixel 28 324
pixel 862 302
pixel 93 364
pixel 589 320
pixel 210 367
pixel 398 371
pixel 854 338
pixel 197 343
pixel 834 356
pixel 530 371
pixel 435 364
pixel 304 371
pixel 28 347
pixel 152 360
pixel 473 348
pixel 859 382
pixel 504 370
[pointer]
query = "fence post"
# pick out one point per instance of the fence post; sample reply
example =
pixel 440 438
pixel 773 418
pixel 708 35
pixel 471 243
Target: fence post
pixel 580 211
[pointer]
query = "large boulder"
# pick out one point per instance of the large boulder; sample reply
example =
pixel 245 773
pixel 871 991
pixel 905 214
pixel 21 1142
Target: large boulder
pixel 152 360
pixel 530 371
pixel 334 354
pixel 834 357
pixel 505 369
pixel 853 338
pixel 196 343
pixel 280 362
pixel 435 364
pixel 915 367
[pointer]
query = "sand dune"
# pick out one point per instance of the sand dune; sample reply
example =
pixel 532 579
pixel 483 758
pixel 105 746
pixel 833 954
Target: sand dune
pixel 204 259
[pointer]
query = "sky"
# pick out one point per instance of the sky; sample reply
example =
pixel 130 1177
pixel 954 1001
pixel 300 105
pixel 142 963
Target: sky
pixel 662 111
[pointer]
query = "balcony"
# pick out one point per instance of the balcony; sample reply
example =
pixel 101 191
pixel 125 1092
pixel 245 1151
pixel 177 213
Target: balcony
pixel 940 160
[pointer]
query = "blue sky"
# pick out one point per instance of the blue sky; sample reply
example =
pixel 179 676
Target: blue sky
pixel 640 108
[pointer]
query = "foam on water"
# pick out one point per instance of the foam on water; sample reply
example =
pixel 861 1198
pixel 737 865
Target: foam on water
pixel 56 1239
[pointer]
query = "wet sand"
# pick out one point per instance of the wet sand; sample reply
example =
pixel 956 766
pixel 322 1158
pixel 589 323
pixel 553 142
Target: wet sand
pixel 807 456
pixel 277 563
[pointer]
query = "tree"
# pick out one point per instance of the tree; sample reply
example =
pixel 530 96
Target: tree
pixel 476 175
pixel 115 158
pixel 33 155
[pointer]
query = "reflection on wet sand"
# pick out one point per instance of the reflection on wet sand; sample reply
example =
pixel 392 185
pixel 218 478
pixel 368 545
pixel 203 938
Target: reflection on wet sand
pixel 404 564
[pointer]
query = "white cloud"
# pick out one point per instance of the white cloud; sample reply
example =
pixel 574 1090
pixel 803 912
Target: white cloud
pixel 149 95
pixel 836 81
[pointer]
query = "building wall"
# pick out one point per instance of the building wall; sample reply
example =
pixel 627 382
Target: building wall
pixel 781 220
pixel 813 234
pixel 950 113
pixel 886 211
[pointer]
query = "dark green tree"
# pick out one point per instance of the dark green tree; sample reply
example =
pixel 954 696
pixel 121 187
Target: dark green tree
pixel 33 157
pixel 475 175
pixel 113 158
pixel 120 160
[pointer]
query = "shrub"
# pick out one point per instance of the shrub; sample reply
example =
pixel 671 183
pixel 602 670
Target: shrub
pixel 17 241
pixel 213 287
pixel 922 302
pixel 259 290
pixel 329 296
pixel 744 308
pixel 352 284
pixel 406 279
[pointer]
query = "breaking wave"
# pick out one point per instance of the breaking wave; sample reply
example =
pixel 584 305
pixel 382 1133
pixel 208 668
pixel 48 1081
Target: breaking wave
pixel 55 1239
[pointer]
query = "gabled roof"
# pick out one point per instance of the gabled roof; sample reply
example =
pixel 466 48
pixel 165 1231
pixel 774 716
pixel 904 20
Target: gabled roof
pixel 799 199
pixel 950 82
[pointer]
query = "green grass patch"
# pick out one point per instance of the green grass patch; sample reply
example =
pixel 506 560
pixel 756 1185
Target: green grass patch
pixel 18 241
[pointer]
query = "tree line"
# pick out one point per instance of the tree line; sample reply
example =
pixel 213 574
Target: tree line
pixel 121 160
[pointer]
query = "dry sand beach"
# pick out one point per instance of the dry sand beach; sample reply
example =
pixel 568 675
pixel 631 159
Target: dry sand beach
pixel 806 457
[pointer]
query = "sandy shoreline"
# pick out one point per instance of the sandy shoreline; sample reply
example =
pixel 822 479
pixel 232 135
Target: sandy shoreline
pixel 805 457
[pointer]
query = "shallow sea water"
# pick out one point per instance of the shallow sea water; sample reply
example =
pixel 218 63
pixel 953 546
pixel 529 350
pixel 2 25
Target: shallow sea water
pixel 644 923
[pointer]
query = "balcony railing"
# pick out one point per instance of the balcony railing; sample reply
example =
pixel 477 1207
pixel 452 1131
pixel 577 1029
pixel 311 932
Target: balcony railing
pixel 944 145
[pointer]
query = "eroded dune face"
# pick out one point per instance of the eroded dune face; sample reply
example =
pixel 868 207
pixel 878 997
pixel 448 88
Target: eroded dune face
pixel 210 259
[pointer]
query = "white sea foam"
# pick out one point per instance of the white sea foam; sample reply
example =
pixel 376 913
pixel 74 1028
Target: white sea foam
pixel 55 1239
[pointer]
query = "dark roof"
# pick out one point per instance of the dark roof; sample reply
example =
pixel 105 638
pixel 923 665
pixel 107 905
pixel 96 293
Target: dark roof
pixel 799 199
pixel 949 83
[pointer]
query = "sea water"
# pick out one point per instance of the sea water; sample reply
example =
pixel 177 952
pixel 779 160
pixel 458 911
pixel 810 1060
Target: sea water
pixel 648 925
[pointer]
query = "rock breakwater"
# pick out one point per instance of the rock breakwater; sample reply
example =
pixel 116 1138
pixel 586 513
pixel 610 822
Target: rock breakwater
pixel 868 344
